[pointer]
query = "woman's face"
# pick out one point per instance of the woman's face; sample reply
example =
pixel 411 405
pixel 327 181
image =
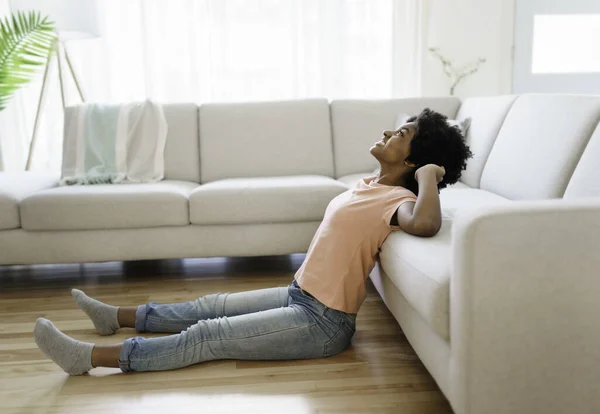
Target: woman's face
pixel 394 147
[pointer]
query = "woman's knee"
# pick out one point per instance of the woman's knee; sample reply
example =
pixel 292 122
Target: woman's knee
pixel 211 306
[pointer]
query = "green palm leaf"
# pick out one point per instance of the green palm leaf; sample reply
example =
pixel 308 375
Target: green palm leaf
pixel 25 43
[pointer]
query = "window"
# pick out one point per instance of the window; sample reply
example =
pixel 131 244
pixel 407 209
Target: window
pixel 566 43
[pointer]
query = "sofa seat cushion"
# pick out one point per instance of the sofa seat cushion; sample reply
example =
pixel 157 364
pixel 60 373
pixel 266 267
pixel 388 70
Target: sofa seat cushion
pixel 263 200
pixel 456 185
pixel 420 267
pixel 116 206
pixel 14 187
pixel 460 197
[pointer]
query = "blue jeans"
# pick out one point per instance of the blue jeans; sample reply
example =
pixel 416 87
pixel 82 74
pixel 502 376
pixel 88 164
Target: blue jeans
pixel 268 324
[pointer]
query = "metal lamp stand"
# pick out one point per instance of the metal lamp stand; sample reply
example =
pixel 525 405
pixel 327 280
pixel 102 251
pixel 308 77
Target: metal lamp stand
pixel 56 49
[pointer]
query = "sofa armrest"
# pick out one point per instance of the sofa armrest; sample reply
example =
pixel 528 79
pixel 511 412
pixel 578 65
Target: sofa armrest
pixel 525 308
pixel 14 187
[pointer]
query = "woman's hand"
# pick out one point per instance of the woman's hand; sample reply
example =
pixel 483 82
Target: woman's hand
pixel 432 169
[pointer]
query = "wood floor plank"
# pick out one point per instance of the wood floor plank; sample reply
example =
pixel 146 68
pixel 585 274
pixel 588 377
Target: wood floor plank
pixel 379 373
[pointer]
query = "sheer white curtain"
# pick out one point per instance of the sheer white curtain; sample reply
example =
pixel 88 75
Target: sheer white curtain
pixel 245 50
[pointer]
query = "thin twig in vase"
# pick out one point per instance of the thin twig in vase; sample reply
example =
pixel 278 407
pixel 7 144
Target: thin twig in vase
pixel 456 75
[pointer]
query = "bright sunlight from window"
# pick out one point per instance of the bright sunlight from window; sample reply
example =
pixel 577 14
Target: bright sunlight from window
pixel 566 43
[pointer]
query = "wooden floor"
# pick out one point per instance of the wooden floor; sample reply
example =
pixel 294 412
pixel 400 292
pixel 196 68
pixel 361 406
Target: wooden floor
pixel 379 373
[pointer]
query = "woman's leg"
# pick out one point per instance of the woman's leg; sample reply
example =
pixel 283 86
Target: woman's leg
pixel 175 317
pixel 283 333
pixel 305 329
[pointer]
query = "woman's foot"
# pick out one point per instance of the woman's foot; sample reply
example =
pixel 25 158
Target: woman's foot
pixel 105 317
pixel 73 356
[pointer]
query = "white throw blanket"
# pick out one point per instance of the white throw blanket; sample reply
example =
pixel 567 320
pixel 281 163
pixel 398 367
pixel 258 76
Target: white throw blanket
pixel 114 144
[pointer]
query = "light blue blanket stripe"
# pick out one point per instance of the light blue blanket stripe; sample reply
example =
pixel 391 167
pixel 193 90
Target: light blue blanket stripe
pixel 99 140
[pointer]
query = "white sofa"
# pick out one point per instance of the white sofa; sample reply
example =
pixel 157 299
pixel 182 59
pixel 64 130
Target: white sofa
pixel 502 306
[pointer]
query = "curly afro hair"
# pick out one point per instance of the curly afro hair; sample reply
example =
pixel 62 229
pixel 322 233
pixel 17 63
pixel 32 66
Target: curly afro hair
pixel 437 142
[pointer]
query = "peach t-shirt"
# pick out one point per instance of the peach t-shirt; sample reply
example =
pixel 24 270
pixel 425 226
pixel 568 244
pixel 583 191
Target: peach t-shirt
pixel 344 249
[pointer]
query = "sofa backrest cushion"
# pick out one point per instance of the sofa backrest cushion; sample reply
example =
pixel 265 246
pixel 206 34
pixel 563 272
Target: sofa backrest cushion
pixel 585 181
pixel 487 115
pixel 539 145
pixel 240 140
pixel 182 149
pixel 358 124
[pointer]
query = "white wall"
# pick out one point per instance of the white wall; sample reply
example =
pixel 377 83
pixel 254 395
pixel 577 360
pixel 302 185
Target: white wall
pixel 465 30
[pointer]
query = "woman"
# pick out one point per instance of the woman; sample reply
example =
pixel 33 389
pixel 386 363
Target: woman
pixel 315 316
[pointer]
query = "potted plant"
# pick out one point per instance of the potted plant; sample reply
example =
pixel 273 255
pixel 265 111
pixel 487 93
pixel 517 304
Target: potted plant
pixel 26 42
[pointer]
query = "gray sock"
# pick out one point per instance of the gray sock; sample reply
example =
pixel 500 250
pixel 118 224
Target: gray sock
pixel 74 357
pixel 104 317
